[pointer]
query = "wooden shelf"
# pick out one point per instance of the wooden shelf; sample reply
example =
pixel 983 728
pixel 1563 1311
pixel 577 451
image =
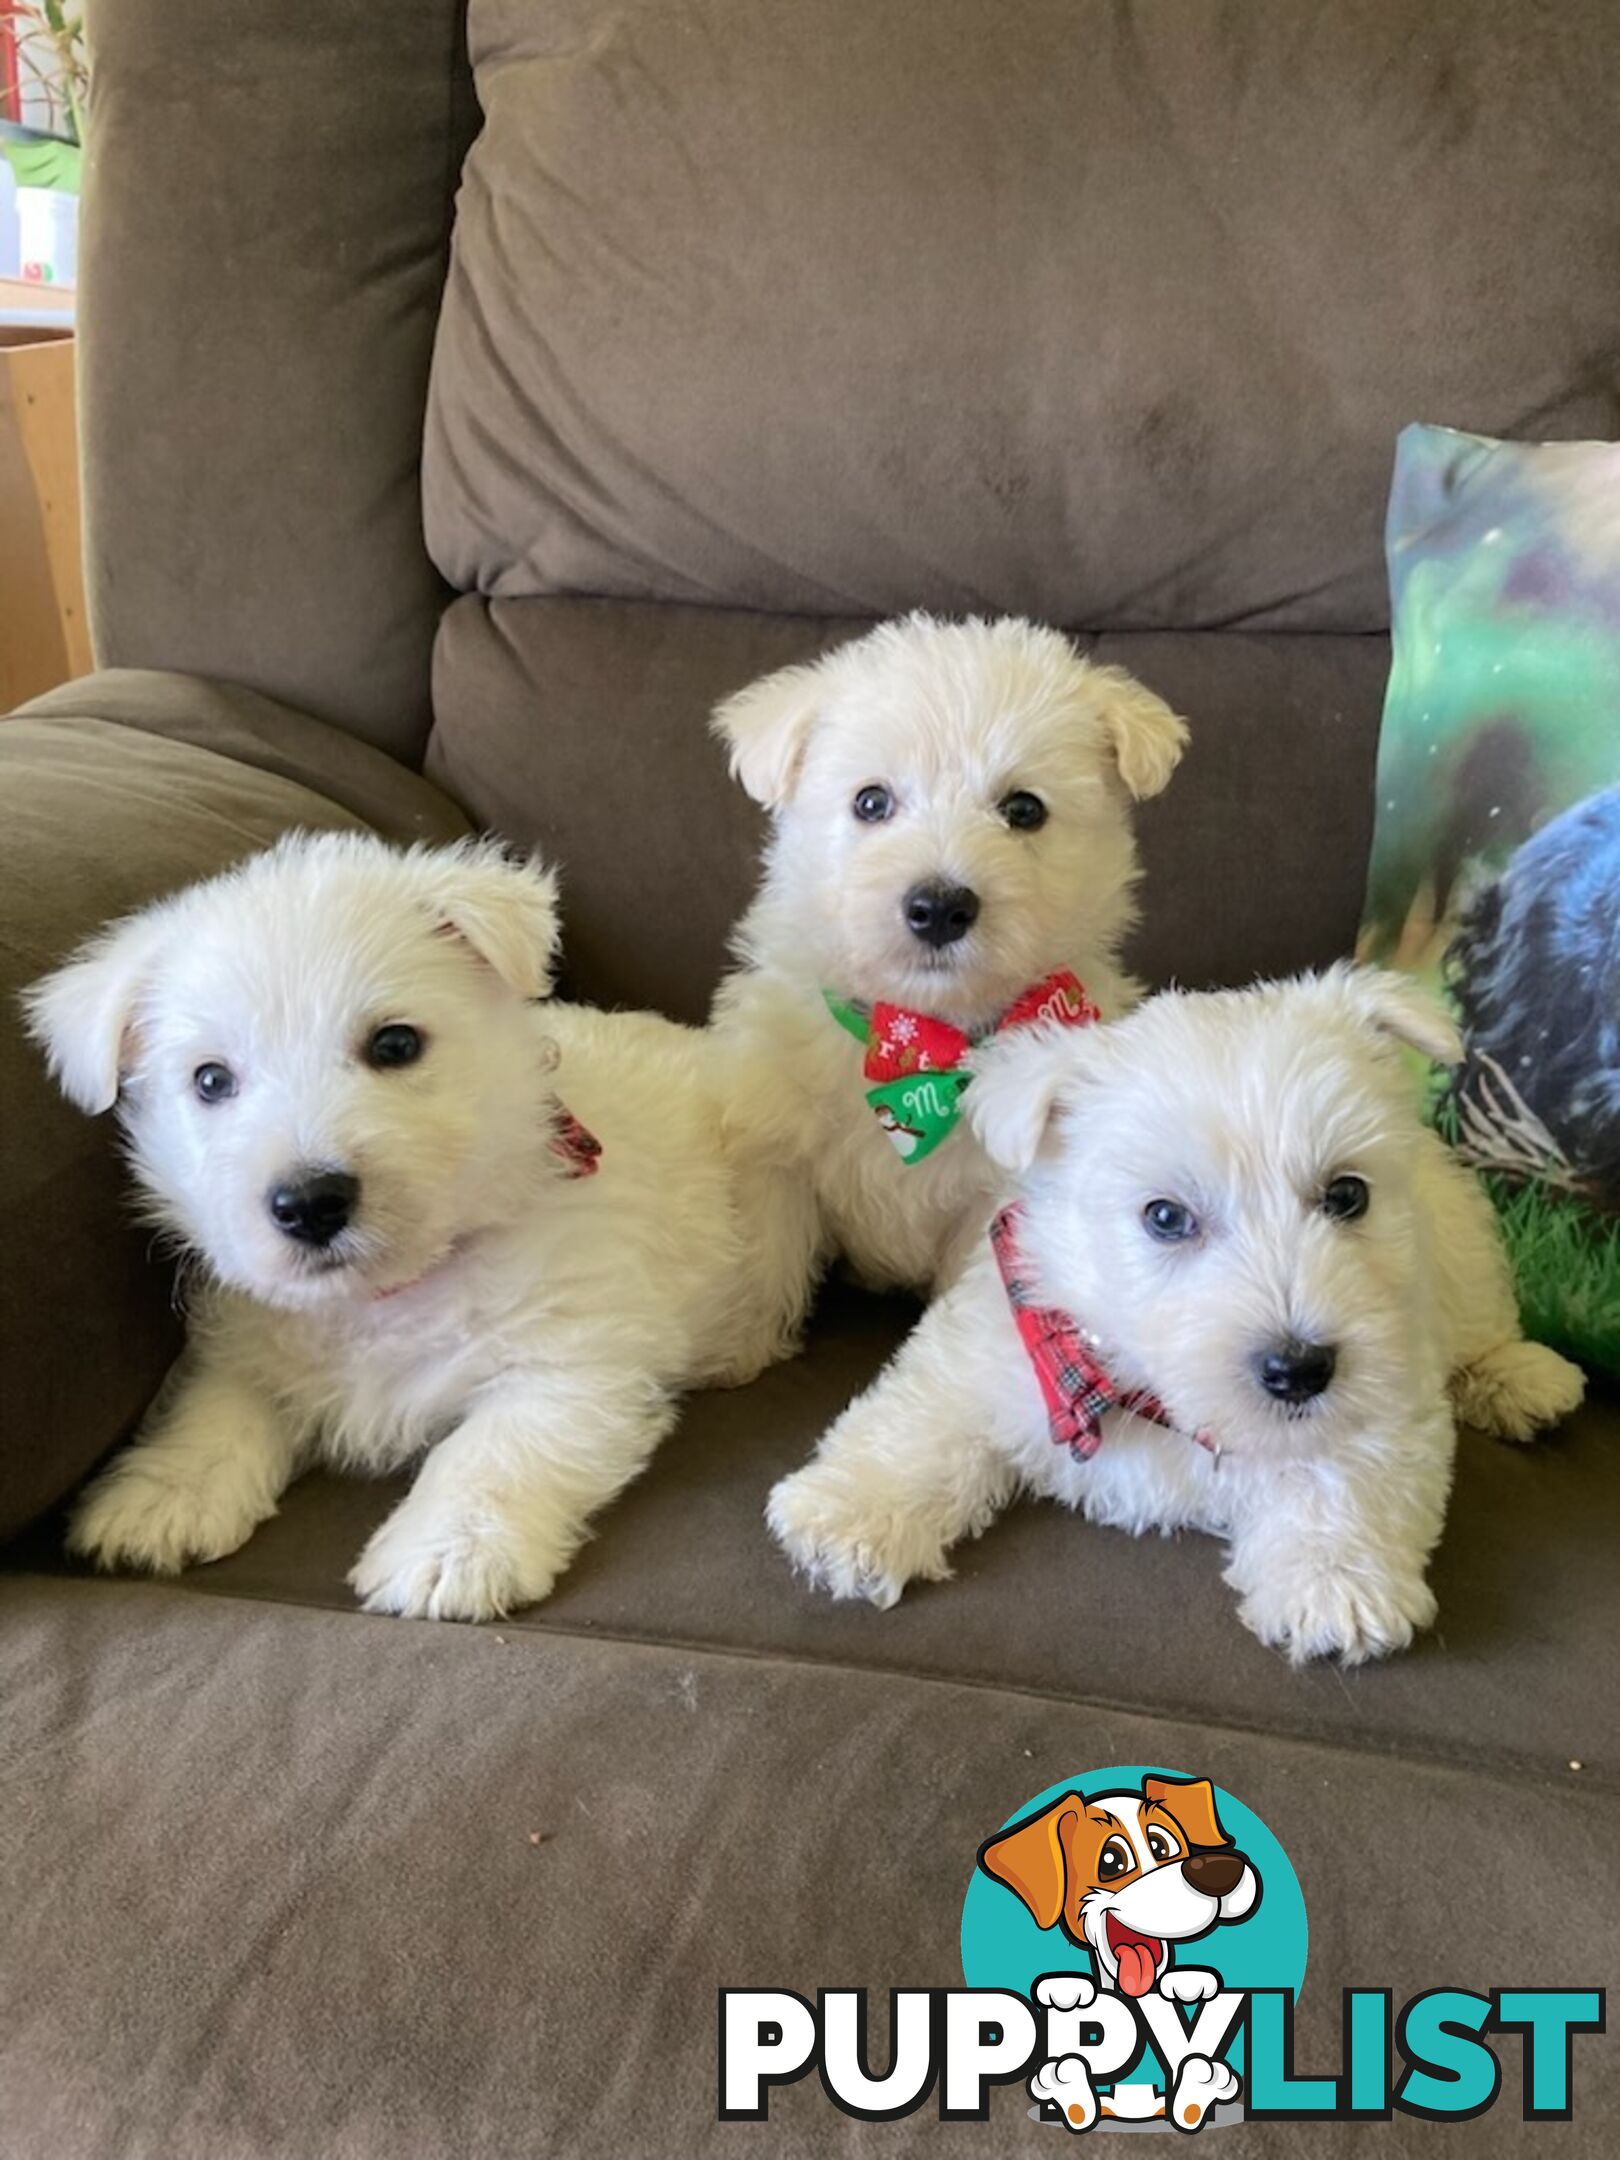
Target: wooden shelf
pixel 44 637
pixel 23 295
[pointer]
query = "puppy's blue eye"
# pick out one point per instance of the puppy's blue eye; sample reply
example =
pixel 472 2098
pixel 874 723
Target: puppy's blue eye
pixel 1023 811
pixel 1169 1222
pixel 213 1082
pixel 1346 1199
pixel 393 1046
pixel 874 804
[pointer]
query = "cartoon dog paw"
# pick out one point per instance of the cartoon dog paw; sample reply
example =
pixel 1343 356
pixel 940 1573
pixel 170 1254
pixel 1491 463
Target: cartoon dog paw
pixel 1189 1984
pixel 1065 1991
pixel 1066 2085
pixel 1201 2084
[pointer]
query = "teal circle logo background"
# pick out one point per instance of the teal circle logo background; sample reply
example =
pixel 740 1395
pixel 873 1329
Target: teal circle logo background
pixel 1003 1948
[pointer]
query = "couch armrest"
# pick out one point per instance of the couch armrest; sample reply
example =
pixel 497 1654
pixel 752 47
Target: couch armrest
pixel 113 791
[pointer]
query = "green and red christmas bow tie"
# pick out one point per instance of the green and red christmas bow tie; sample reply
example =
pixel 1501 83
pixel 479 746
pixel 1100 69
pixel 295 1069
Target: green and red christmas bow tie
pixel 915 1062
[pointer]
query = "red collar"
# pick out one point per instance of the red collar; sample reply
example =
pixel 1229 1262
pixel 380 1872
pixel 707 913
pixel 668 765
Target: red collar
pixel 1076 1386
pixel 578 1150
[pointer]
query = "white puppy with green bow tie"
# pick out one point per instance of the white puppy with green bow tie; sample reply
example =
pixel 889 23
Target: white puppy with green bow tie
pixel 951 852
pixel 1243 1289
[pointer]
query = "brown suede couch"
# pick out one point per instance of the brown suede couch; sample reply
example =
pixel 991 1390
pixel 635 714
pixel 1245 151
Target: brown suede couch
pixel 456 431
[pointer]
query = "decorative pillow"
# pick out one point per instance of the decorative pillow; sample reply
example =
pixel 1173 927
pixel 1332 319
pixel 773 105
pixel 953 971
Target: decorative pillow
pixel 1496 857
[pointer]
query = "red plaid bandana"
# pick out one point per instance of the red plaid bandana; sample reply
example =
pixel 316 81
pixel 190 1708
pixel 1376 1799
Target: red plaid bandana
pixel 1076 1386
pixel 914 1063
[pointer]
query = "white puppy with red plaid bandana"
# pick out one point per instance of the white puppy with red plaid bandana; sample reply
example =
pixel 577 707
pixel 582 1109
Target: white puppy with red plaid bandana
pixel 1244 1289
pixel 428 1214
pixel 951 853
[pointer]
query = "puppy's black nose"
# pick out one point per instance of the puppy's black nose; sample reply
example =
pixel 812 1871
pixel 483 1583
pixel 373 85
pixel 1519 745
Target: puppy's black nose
pixel 940 914
pixel 1295 1371
pixel 1217 1874
pixel 313 1209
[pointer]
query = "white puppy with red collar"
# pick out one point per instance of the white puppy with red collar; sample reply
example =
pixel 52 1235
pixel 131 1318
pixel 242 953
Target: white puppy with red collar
pixel 426 1214
pixel 1242 1291
pixel 951 851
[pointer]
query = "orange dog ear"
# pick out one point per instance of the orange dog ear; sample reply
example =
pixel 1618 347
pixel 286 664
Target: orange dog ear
pixel 1030 1859
pixel 1192 1802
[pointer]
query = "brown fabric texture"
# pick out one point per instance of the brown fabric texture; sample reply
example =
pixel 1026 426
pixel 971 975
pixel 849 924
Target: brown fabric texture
pixel 582 725
pixel 99 819
pixel 1103 314
pixel 270 1888
pixel 266 220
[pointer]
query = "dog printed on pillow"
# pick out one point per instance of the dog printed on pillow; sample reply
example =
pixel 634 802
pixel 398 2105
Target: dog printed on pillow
pixel 1242 1288
pixel 951 849
pixel 424 1213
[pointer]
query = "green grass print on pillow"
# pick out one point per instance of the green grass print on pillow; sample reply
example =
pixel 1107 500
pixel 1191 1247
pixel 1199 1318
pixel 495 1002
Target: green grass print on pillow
pixel 1496 856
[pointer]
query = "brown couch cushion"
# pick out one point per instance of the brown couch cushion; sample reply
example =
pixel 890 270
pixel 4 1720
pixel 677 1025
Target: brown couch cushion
pixel 1108 315
pixel 270 1890
pixel 582 724
pixel 116 790
pixel 266 225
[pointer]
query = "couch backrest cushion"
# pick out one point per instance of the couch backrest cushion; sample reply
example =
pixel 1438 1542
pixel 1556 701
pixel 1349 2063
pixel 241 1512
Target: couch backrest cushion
pixel 266 225
pixel 1107 314
pixel 579 725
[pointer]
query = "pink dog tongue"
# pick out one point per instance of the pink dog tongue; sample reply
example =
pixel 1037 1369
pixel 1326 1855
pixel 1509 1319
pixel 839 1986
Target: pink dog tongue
pixel 1137 1965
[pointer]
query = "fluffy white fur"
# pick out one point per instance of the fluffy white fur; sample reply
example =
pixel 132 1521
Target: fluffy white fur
pixel 1242 1106
pixel 525 1328
pixel 952 718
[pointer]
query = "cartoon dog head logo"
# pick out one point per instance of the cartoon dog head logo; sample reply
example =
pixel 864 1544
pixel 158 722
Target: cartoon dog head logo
pixel 1127 1875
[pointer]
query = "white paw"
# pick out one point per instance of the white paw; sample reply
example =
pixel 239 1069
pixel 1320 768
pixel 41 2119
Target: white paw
pixel 431 1562
pixel 849 1543
pixel 1517 1390
pixel 160 1517
pixel 1337 1612
pixel 1066 1991
pixel 1201 2083
pixel 1066 2085
pixel 1189 1983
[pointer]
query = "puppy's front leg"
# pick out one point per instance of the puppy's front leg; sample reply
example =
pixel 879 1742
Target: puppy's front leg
pixel 1330 1561
pixel 502 1503
pixel 209 1466
pixel 907 1471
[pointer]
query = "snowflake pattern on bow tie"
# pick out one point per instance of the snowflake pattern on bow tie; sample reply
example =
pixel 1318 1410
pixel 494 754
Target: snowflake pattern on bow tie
pixel 914 1064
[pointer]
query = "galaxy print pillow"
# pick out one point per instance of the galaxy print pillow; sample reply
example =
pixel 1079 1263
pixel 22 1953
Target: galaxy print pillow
pixel 1496 858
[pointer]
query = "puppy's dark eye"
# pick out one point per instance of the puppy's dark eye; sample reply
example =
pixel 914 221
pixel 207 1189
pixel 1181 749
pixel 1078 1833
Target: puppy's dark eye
pixel 393 1046
pixel 1169 1222
pixel 1115 1859
pixel 213 1082
pixel 1346 1199
pixel 1161 1844
pixel 874 804
pixel 1023 811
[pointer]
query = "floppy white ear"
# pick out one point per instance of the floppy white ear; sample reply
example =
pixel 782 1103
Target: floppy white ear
pixel 82 1014
pixel 1147 737
pixel 1399 1007
pixel 503 905
pixel 766 728
pixel 1018 1080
